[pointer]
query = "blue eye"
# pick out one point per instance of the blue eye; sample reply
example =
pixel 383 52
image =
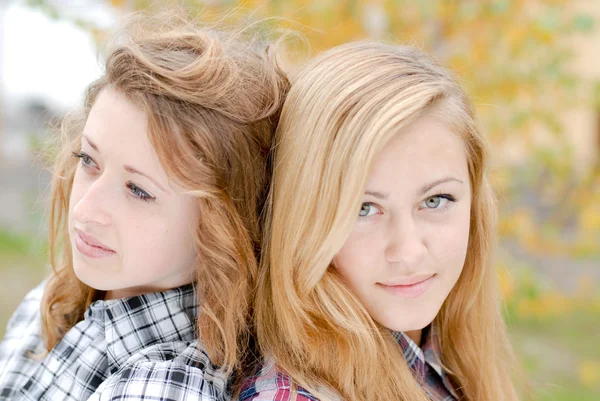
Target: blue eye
pixel 86 160
pixel 437 201
pixel 368 209
pixel 139 193
pixel 434 202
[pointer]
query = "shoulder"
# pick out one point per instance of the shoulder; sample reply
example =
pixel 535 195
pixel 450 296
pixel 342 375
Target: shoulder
pixel 168 371
pixel 271 384
pixel 24 325
pixel 27 312
pixel 21 341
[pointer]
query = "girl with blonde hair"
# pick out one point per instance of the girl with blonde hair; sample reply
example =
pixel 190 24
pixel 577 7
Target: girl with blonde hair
pixel 376 281
pixel 154 227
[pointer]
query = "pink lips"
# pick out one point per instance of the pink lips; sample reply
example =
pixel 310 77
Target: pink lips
pixel 409 287
pixel 90 246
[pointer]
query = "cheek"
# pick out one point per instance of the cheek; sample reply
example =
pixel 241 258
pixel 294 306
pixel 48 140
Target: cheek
pixel 358 258
pixel 449 245
pixel 159 239
pixel 146 235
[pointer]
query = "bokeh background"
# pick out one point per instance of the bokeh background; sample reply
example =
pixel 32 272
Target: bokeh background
pixel 532 68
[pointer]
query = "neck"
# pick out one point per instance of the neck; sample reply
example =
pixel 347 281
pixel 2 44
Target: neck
pixel 415 335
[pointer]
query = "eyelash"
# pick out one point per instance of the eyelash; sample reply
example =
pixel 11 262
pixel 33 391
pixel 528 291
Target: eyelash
pixel 138 193
pixel 449 197
pixel 369 204
pixel 82 156
pixel 135 192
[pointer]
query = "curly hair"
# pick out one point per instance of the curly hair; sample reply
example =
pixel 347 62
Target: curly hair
pixel 213 99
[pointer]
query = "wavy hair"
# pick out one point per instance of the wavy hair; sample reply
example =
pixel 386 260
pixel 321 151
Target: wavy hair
pixel 342 108
pixel 213 99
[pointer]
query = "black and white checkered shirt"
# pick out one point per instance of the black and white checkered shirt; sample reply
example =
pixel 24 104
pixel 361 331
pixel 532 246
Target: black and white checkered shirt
pixel 142 347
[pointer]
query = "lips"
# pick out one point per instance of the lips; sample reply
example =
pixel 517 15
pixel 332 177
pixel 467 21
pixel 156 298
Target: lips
pixel 409 287
pixel 90 246
pixel 407 281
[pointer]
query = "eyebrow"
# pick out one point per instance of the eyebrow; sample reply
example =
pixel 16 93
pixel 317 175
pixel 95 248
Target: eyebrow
pixel 127 168
pixel 132 170
pixel 428 187
pixel 378 195
pixel 424 189
pixel 92 144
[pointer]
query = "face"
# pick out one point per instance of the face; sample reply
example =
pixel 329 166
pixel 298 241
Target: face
pixel 409 243
pixel 130 227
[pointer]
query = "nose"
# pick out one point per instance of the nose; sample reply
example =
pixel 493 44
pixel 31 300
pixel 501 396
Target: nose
pixel 406 244
pixel 91 203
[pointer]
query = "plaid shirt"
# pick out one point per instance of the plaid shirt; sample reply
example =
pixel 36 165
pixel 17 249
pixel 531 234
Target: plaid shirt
pixel 270 384
pixel 139 347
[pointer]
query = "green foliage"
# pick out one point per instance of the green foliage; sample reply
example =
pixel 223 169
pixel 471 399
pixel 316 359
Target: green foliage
pixel 13 243
pixel 583 23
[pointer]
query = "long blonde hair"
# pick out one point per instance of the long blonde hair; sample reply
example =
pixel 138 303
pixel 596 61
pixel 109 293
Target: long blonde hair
pixel 213 98
pixel 342 108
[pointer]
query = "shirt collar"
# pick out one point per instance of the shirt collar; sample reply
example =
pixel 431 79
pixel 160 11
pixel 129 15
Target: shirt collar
pixel 429 353
pixel 134 323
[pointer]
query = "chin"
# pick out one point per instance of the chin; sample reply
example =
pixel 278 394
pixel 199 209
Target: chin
pixel 416 320
pixel 405 326
pixel 82 274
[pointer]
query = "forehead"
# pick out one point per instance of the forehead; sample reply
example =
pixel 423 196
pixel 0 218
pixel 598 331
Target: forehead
pixel 119 129
pixel 113 115
pixel 424 150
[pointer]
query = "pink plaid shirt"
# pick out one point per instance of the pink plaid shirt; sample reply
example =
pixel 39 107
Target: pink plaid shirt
pixel 271 384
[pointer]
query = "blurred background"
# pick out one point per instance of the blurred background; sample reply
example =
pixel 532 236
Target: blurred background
pixel 532 68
